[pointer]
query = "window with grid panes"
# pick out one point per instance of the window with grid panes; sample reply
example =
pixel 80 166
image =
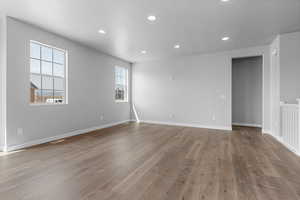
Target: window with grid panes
pixel 47 74
pixel 121 84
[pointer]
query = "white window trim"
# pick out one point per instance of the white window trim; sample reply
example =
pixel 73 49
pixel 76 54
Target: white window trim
pixel 126 100
pixel 66 101
pixel 121 101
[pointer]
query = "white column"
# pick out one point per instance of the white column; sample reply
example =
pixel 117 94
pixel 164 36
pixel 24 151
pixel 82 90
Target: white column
pixel 280 134
pixel 298 148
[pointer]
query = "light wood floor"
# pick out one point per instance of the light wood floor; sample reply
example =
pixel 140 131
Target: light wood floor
pixel 155 162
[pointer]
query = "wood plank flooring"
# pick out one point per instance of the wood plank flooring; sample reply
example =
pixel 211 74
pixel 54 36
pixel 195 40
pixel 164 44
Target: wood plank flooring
pixel 153 162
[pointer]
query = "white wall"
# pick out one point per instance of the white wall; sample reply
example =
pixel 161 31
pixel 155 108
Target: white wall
pixel 290 67
pixel 2 79
pixel 193 90
pixel 247 91
pixel 91 88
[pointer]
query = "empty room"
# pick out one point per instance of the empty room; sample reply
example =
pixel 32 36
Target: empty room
pixel 156 100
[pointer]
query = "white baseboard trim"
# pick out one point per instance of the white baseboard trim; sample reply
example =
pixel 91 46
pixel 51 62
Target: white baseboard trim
pixel 186 125
pixel 246 124
pixel 265 131
pixel 66 135
pixel 292 149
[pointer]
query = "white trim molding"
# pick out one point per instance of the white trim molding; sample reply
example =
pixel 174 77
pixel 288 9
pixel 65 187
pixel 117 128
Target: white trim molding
pixel 265 131
pixel 247 124
pixel 187 125
pixel 289 147
pixel 58 137
pixel 3 86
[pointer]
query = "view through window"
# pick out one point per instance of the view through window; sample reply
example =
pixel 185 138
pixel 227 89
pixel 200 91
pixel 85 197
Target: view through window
pixel 47 74
pixel 121 84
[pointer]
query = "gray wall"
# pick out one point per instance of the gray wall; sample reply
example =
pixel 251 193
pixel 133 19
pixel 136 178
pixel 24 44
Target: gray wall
pixel 192 90
pixel 290 67
pixel 2 77
pixel 91 88
pixel 247 91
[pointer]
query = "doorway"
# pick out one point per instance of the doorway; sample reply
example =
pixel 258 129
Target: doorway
pixel 247 91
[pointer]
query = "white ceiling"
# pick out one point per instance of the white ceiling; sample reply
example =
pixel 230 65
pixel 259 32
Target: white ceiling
pixel 197 25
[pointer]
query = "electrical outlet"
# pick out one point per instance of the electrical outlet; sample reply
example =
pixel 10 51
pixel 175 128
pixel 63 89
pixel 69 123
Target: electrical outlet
pixel 101 117
pixel 214 118
pixel 171 116
pixel 19 131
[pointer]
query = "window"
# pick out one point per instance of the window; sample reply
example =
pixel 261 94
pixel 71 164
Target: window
pixel 121 84
pixel 47 74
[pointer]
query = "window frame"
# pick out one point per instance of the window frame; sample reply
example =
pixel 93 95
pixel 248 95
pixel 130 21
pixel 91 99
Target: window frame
pixel 65 78
pixel 126 99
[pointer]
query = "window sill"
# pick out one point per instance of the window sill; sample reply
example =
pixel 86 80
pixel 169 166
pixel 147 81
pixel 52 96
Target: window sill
pixel 120 101
pixel 48 104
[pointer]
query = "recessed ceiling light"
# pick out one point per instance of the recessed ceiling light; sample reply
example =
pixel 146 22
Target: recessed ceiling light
pixel 151 18
pixel 176 46
pixel 102 31
pixel 225 38
pixel 225 0
pixel 143 51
